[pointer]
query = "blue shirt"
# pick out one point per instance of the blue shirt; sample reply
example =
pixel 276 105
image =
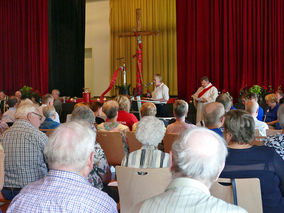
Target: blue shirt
pixel 218 131
pixel 49 124
pixel 263 163
pixel 271 114
pixel 260 114
pixel 62 191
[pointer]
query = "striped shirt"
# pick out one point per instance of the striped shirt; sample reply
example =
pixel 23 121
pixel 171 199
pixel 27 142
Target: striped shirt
pixel 62 191
pixel 146 157
pixel 187 195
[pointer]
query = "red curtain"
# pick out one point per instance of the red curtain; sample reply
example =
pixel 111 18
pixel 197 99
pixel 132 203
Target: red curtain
pixel 236 43
pixel 23 45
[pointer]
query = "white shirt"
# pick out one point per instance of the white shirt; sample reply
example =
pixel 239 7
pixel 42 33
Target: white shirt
pixel 261 126
pixel 56 114
pixel 187 195
pixel 161 92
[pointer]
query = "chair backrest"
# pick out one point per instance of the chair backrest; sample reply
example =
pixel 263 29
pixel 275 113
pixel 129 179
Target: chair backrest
pixel 258 141
pixel 273 132
pixel 47 131
pixel 247 192
pixel 136 185
pixel 168 141
pixel 133 143
pixel 111 143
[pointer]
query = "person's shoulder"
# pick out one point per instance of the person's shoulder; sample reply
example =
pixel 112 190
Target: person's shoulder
pixel 221 206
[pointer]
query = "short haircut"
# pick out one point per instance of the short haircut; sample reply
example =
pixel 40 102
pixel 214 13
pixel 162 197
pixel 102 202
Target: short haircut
pixel 252 96
pixel 57 92
pixel 148 109
pixel 123 102
pixel 271 97
pixel 225 100
pixel 180 108
pixel 81 104
pixel 251 107
pixel 200 154
pixel 70 145
pixel 12 101
pixel 204 78
pixel 150 131
pixel 241 125
pixel 110 108
pixel 48 111
pixel 280 115
pixel 47 98
pixel 24 109
pixel 158 76
pixel 212 113
pixel 83 113
pixel 95 105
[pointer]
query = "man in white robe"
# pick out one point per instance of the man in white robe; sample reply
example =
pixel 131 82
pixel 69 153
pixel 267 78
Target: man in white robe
pixel 205 94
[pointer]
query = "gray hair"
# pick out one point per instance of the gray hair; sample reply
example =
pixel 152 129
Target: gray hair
pixel 48 111
pixel 241 125
pixel 110 108
pixel 83 113
pixel 280 114
pixel 251 107
pixel 123 102
pixel 70 145
pixel 180 108
pixel 148 109
pixel 24 109
pixel 200 154
pixel 47 98
pixel 225 100
pixel 150 130
pixel 212 113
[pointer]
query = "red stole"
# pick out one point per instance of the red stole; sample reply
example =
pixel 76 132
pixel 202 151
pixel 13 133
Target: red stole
pixel 204 91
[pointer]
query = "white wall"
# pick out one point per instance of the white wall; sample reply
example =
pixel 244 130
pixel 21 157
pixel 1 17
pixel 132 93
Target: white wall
pixel 97 37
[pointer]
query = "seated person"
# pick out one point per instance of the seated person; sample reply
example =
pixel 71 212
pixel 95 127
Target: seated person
pixel 48 100
pixel 147 109
pixel 49 114
pixel 270 116
pixel 70 154
pixel 2 157
pixel 279 95
pixel 254 97
pixel 150 132
pixel 124 117
pixel 276 141
pixel 180 110
pixel 57 103
pixel 226 100
pixel 9 115
pixel 97 108
pixel 247 161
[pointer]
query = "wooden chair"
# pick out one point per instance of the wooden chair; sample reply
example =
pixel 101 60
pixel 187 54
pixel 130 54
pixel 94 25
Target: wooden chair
pixel 168 141
pixel 4 204
pixel 133 143
pixel 47 131
pixel 270 132
pixel 136 185
pixel 111 143
pixel 244 192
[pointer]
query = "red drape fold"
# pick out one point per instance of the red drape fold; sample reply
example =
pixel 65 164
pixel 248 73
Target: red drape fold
pixel 23 45
pixel 236 43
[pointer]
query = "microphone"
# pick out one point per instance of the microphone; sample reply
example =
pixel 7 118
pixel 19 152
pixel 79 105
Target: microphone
pixel 149 84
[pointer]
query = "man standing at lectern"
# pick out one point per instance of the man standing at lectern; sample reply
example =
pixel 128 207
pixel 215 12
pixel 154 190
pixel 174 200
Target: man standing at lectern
pixel 205 94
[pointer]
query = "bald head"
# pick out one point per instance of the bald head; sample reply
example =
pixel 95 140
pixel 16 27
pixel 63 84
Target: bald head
pixel 213 114
pixel 252 108
pixel 199 154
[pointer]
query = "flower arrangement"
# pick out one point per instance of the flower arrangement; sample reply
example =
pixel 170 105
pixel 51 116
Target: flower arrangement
pixel 29 92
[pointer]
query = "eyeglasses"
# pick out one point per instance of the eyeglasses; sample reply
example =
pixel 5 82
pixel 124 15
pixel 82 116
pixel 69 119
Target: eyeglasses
pixel 40 116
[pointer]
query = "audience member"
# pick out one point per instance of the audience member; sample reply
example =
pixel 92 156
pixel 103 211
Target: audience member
pixel 70 155
pixel 23 144
pixel 150 132
pixel 9 115
pixel 18 95
pixel 124 116
pixel 254 97
pixel 48 100
pixel 2 158
pixel 279 95
pixel 198 157
pixel 225 99
pixel 49 114
pixel 147 109
pixel 97 108
pixel 180 110
pixel 213 114
pixel 247 161
pixel 57 102
pixel 271 110
pixel 2 101
pixel 252 108
pixel 276 141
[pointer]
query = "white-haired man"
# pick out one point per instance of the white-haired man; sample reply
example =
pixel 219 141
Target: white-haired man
pixel 57 103
pixel 23 144
pixel 70 155
pixel 48 100
pixel 252 108
pixel 198 158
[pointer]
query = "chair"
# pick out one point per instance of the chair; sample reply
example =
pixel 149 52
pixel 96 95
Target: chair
pixel 133 143
pixel 136 185
pixel 47 131
pixel 244 192
pixel 270 132
pixel 4 204
pixel 256 133
pixel 111 143
pixel 168 141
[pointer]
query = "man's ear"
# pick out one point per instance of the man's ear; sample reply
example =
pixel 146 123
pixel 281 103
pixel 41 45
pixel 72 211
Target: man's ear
pixel 221 169
pixel 91 160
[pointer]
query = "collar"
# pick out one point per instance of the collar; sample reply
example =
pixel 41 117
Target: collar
pixel 12 108
pixel 67 175
pixel 182 182
pixel 147 146
pixel 24 122
pixel 162 84
pixel 209 85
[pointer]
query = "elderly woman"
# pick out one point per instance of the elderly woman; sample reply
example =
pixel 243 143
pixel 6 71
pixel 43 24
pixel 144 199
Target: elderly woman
pixel 270 115
pixel 247 161
pixel 124 116
pixel 49 114
pixel 100 174
pixel 180 111
pixel 147 109
pixel 150 132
